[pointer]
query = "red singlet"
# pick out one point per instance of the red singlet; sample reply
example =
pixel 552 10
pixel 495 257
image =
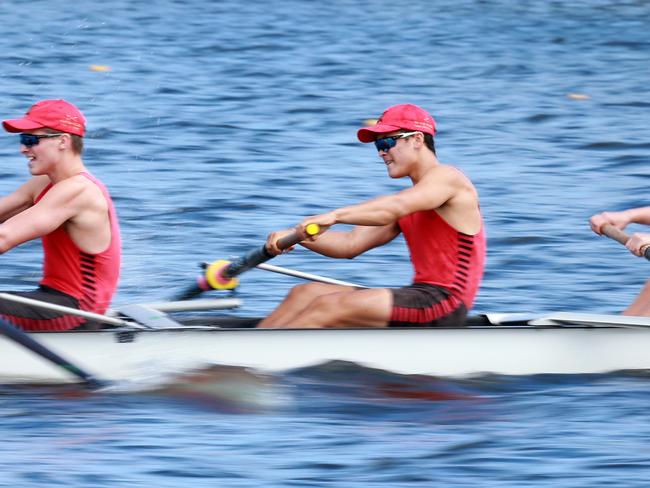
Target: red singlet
pixel 90 278
pixel 444 257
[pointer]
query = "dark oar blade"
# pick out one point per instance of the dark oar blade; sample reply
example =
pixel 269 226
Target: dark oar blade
pixel 36 347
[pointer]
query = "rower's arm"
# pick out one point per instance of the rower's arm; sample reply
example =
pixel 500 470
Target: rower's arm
pixel 22 198
pixel 337 244
pixel 435 189
pixel 620 220
pixel 62 203
pixel 639 215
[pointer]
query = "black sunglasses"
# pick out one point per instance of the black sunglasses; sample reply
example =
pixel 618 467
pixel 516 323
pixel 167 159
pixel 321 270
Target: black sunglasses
pixel 29 140
pixel 386 143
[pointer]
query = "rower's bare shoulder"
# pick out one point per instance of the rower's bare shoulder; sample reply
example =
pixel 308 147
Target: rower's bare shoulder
pixel 446 173
pixel 34 186
pixel 79 189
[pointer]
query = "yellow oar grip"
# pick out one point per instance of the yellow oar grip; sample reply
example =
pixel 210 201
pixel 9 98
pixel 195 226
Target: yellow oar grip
pixel 312 229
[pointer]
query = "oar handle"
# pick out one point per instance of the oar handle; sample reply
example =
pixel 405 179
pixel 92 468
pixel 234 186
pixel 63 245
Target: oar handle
pixel 619 236
pixel 294 238
pixel 261 255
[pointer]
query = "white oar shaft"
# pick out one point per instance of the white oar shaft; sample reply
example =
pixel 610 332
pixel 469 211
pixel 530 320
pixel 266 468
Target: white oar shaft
pixel 66 310
pixel 306 276
pixel 195 305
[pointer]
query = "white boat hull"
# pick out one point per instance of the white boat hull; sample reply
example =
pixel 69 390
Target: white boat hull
pixel 440 352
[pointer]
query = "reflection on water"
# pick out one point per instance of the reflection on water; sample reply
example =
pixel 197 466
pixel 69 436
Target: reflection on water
pixel 225 389
pixel 334 421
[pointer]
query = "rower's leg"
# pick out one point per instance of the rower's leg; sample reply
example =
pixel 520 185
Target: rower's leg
pixel 641 305
pixel 297 299
pixel 343 308
pixel 356 308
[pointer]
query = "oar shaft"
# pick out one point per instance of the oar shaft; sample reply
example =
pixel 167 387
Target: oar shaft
pixel 221 274
pixel 259 256
pixel 619 236
pixel 233 269
pixel 615 233
pixel 36 347
pixel 246 262
pixel 306 276
pixel 66 310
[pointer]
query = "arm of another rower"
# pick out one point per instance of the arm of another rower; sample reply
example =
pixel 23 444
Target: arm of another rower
pixel 62 203
pixel 22 198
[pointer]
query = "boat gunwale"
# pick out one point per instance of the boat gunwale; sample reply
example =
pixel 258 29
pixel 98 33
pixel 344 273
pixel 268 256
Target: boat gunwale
pixel 208 328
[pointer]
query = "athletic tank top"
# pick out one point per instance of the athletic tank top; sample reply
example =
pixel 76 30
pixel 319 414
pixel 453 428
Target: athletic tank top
pixel 443 256
pixel 90 278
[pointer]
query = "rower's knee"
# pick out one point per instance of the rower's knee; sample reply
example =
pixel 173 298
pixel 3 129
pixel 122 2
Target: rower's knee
pixel 309 291
pixel 304 290
pixel 332 304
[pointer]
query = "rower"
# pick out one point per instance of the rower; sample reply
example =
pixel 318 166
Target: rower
pixel 71 212
pixel 441 222
pixel 637 243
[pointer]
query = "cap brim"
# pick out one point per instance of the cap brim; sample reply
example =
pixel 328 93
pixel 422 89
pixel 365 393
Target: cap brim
pixel 369 134
pixel 20 125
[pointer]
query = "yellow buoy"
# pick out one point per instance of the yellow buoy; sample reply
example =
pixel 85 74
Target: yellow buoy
pixel 369 122
pixel 578 96
pixel 99 67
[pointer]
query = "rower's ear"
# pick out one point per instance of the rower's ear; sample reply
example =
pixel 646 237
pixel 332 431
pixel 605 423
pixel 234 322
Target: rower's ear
pixel 65 141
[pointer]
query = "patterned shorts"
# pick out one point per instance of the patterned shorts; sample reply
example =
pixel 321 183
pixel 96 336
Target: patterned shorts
pixel 424 305
pixel 28 317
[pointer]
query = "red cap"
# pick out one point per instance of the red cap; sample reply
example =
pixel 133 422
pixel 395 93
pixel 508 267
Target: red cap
pixel 53 114
pixel 404 116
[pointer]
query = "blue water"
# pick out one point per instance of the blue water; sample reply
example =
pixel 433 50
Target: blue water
pixel 217 122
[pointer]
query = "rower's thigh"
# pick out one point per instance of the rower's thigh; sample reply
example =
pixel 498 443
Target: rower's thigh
pixel 310 291
pixel 368 307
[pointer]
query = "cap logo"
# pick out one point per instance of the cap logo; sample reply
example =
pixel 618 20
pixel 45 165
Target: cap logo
pixel 422 125
pixel 71 121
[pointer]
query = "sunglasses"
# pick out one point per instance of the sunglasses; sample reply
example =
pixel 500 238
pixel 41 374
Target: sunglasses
pixel 386 143
pixel 29 140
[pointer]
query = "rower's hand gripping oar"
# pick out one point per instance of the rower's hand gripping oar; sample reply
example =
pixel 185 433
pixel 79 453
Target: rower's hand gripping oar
pixel 221 274
pixel 618 235
pixel 17 335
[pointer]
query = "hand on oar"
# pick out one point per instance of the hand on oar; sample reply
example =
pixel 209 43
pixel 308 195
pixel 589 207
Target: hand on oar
pixel 284 241
pixel 619 220
pixel 221 275
pixel 638 244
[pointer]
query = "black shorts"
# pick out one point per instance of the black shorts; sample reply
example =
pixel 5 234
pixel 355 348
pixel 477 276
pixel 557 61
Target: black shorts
pixel 425 305
pixel 35 318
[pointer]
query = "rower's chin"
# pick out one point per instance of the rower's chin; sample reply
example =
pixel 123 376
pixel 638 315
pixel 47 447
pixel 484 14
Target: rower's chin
pixel 392 171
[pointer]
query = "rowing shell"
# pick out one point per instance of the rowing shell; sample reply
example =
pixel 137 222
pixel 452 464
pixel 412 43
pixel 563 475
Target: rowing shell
pixel 561 343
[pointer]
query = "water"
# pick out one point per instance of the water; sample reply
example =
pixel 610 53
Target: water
pixel 219 122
